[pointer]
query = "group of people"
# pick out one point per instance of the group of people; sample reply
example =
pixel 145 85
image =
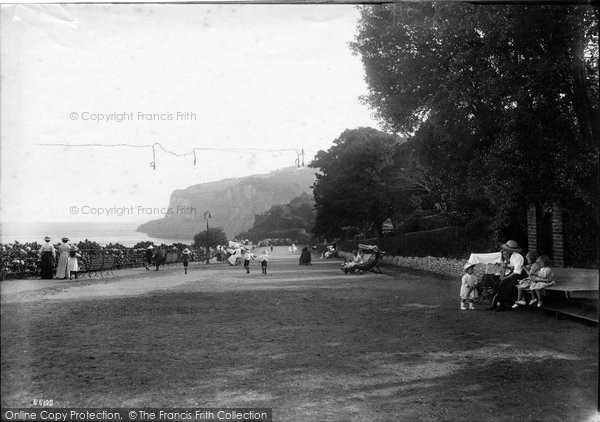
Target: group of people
pixel 358 258
pixel 515 279
pixel 158 256
pixel 67 265
pixel 263 258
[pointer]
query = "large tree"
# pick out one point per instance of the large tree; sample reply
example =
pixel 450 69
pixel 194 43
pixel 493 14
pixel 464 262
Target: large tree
pixel 502 100
pixel 216 237
pixel 353 188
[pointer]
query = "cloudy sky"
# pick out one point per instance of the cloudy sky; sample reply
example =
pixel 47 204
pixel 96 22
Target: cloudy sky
pixel 228 77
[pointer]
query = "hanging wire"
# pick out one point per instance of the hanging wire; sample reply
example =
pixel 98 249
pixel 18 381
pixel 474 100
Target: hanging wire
pixel 157 145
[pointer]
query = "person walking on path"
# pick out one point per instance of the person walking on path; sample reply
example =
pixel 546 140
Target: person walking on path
pixel 264 260
pixel 47 256
pixel 63 258
pixel 148 257
pixel 246 258
pixel 185 258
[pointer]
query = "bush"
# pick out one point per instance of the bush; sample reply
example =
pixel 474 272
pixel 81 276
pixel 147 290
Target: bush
pixel 448 242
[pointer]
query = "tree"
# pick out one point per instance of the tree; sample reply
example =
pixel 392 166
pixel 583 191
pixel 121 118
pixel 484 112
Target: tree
pixel 352 189
pixel 296 217
pixel 216 236
pixel 143 244
pixel 502 101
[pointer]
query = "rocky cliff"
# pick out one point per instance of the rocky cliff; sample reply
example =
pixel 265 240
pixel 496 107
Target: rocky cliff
pixel 233 203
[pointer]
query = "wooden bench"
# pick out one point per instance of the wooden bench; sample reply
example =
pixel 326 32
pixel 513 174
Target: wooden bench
pixel 171 258
pixel 99 265
pixel 579 289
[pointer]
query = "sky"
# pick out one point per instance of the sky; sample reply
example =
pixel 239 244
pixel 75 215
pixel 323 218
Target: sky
pixel 237 77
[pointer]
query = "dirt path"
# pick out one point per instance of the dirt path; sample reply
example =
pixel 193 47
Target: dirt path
pixel 310 342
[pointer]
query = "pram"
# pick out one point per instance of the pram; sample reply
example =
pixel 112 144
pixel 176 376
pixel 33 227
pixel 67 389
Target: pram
pixel 488 286
pixel 369 265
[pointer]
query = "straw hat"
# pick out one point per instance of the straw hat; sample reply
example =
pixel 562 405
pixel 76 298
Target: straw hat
pixel 468 265
pixel 47 238
pixel 511 246
pixel 150 247
pixel 65 239
pixel 186 251
pixel 74 248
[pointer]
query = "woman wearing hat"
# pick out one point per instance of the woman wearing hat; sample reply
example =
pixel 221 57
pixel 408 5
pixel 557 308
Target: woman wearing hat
pixel 47 256
pixel 148 257
pixel 507 288
pixel 160 257
pixel 63 259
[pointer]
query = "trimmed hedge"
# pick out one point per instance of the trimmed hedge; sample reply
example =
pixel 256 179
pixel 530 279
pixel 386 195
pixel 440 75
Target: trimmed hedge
pixel 447 242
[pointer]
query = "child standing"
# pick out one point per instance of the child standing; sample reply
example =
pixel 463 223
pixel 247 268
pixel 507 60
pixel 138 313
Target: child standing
pixel 468 286
pixel 72 265
pixel 246 257
pixel 148 257
pixel 543 279
pixel 264 259
pixel 185 258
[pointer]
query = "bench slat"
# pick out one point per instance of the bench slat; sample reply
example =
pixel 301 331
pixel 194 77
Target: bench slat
pixel 574 279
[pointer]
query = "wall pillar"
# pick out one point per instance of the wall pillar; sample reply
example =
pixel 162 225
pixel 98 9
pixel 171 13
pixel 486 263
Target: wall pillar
pixel 532 227
pixel 558 235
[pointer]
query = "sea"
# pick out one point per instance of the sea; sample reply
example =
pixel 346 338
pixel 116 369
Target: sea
pixel 103 233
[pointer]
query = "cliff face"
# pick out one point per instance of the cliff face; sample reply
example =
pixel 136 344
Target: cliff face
pixel 232 203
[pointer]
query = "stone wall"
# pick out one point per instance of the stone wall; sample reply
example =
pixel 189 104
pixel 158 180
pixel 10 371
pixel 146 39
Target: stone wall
pixel 444 266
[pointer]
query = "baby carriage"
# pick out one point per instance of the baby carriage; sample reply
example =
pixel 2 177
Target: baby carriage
pixel 493 267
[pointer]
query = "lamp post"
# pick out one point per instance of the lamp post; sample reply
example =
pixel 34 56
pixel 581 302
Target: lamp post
pixel 206 217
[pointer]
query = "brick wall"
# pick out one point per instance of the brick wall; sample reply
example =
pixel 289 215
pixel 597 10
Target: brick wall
pixel 532 228
pixel 557 235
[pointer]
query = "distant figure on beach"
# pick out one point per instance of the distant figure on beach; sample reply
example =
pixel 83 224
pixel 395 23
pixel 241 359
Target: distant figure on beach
pixel 148 257
pixel 63 258
pixel 271 248
pixel 294 248
pixel 72 264
pixel 185 258
pixel 160 257
pixel 47 256
pixel 264 260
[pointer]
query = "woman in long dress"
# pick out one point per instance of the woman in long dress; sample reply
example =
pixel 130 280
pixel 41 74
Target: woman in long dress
pixel 47 256
pixel 63 259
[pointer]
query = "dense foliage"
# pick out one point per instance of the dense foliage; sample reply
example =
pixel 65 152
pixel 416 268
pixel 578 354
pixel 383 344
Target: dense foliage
pixel 294 220
pixel 354 186
pixel 216 237
pixel 499 104
pixel 448 242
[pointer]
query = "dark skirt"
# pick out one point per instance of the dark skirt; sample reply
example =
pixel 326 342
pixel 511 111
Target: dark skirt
pixel 507 288
pixel 47 266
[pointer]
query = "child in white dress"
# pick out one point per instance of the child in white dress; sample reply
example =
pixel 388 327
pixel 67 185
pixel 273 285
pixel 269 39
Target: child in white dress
pixel 468 290
pixel 543 279
pixel 264 261
pixel 532 268
pixel 72 264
